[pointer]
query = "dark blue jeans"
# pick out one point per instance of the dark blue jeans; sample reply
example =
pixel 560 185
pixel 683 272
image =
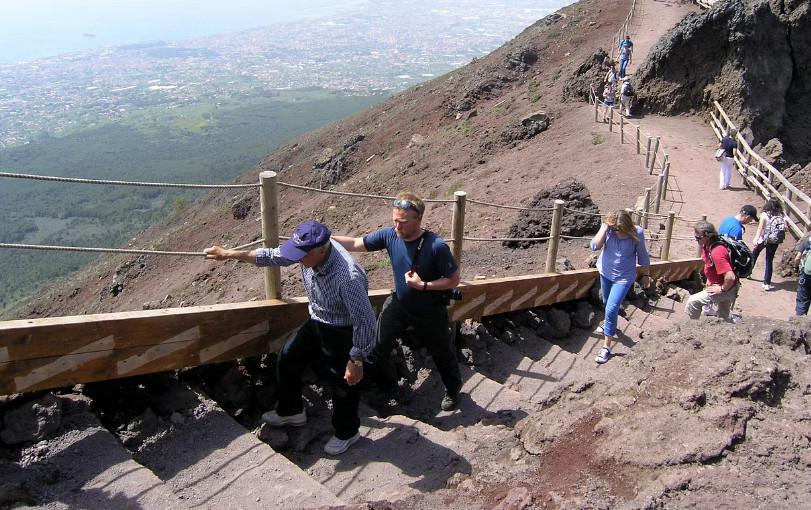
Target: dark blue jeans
pixel 431 328
pixel 623 67
pixel 771 249
pixel 327 348
pixel 803 294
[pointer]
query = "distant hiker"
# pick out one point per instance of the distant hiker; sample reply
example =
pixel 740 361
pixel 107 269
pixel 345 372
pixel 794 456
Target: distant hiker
pixel 338 336
pixel 771 231
pixel 424 273
pixel 733 226
pixel 626 52
pixel 626 96
pixel 608 100
pixel 623 246
pixel 722 283
pixel 611 76
pixel 803 261
pixel 727 160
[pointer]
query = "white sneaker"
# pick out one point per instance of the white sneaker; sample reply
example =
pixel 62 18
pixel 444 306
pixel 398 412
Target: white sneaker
pixel 273 419
pixel 767 286
pixel 337 446
pixel 603 356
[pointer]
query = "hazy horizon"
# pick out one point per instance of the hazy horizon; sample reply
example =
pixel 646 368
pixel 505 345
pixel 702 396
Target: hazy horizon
pixel 34 29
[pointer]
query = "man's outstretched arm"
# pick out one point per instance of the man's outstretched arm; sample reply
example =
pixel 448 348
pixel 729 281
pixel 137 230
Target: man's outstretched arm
pixel 350 243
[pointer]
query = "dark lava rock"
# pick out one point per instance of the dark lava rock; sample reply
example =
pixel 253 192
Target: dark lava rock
pixel 589 75
pixel 32 421
pixel 538 223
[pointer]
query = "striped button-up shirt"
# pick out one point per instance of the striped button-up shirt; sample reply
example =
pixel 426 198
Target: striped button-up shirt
pixel 338 293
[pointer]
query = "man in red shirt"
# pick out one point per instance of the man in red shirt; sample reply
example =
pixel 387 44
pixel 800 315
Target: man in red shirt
pixel 722 284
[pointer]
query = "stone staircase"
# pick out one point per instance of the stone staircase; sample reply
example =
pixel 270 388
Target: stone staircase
pixel 204 458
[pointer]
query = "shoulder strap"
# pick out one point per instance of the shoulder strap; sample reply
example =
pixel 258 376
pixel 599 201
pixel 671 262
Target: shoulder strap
pixel 415 260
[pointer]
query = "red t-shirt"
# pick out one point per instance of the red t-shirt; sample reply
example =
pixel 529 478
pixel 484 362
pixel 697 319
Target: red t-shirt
pixel 720 264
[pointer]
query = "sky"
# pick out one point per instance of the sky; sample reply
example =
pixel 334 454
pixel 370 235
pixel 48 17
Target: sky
pixel 40 28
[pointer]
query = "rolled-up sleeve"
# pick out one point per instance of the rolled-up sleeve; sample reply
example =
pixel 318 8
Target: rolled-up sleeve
pixel 362 314
pixel 271 257
pixel 642 256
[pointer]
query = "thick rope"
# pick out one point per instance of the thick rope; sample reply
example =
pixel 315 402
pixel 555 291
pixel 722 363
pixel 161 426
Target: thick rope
pixel 348 194
pixel 582 212
pixel 503 239
pixel 515 208
pixel 100 250
pixel 124 183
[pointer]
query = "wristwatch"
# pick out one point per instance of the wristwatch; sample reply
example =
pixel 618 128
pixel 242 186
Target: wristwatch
pixel 424 286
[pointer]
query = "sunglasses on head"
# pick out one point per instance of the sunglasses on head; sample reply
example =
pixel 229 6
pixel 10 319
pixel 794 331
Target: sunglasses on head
pixel 406 204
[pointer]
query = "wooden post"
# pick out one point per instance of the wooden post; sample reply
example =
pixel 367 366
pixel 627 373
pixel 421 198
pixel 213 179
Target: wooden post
pixel 638 216
pixel 269 200
pixel 647 154
pixel 622 129
pixel 554 234
pixel 596 109
pixel 645 208
pixel 663 189
pixel 659 186
pixel 610 119
pixel 655 150
pixel 458 225
pixel 671 218
pixel 638 140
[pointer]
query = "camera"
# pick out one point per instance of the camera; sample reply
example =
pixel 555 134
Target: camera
pixel 451 295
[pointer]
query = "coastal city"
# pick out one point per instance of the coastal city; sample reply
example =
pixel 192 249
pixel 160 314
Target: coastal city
pixel 389 48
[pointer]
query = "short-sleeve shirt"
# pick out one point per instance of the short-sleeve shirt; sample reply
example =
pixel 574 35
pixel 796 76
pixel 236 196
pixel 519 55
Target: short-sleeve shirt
pixel 728 144
pixel 435 262
pixel 803 245
pixel 731 227
pixel 625 48
pixel 718 266
pixel 619 257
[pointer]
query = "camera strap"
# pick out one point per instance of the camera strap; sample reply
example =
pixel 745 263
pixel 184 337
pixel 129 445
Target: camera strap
pixel 415 259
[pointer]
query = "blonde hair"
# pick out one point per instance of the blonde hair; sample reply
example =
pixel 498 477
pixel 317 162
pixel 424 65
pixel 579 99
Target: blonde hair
pixel 419 205
pixel 622 221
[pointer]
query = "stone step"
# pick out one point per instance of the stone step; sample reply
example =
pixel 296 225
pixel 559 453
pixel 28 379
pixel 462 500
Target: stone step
pixel 396 457
pixel 211 461
pixel 86 467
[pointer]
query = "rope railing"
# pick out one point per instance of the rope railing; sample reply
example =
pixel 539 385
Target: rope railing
pixel 123 183
pixel 351 194
pixel 507 239
pixel 513 207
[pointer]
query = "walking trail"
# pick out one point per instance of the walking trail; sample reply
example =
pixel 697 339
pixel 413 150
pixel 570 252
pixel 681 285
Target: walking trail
pixel 693 187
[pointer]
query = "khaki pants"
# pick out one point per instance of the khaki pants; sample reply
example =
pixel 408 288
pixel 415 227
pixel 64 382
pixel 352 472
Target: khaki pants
pixel 723 301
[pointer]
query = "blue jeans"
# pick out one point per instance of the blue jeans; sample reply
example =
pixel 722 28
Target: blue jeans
pixel 771 248
pixel 613 294
pixel 803 294
pixel 623 66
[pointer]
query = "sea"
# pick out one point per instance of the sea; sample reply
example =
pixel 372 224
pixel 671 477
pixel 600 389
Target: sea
pixel 32 29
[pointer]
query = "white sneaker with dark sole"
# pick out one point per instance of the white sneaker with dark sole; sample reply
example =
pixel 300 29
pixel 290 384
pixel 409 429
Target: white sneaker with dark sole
pixel 603 356
pixel 337 446
pixel 273 419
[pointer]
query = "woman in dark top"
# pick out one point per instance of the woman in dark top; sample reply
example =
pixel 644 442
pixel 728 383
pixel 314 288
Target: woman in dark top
pixel 729 145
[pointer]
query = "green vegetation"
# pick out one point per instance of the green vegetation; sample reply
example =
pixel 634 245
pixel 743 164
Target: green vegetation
pixel 456 186
pixel 464 128
pixel 204 143
pixel 532 92
pixel 377 264
pixel 597 139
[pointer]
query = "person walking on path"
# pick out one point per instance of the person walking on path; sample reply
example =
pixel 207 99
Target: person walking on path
pixel 803 262
pixel 424 269
pixel 626 48
pixel 623 246
pixel 626 96
pixel 337 337
pixel 722 283
pixel 771 231
pixel 611 76
pixel 733 226
pixel 609 98
pixel 728 144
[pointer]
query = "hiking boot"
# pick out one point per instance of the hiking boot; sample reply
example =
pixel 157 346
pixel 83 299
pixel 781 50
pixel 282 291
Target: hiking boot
pixel 337 446
pixel 449 402
pixel 603 356
pixel 273 419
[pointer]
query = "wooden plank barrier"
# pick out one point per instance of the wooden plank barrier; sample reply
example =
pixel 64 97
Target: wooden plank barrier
pixel 39 354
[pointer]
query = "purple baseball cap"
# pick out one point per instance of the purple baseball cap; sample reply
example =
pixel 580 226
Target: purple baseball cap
pixel 307 236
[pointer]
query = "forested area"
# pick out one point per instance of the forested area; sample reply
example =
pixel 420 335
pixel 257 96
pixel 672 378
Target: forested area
pixel 204 143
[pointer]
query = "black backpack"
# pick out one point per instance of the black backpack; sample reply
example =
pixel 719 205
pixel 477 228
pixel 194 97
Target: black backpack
pixel 739 254
pixel 629 90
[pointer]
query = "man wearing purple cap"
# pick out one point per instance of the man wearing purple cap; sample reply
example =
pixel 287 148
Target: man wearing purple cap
pixel 339 334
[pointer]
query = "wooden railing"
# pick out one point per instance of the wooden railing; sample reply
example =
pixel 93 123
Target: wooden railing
pixel 39 354
pixel 764 178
